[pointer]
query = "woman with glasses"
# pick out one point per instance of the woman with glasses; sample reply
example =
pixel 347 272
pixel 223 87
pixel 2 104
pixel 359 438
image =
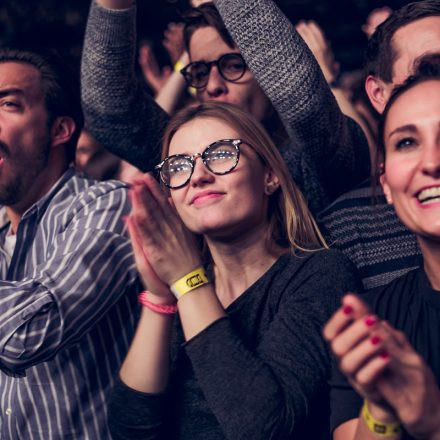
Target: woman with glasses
pixel 229 341
pixel 394 365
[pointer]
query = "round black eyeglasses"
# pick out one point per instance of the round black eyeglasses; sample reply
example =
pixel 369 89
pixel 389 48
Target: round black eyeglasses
pixel 231 67
pixel 220 157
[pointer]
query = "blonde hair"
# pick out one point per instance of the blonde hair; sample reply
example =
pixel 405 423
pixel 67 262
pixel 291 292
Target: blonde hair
pixel 291 224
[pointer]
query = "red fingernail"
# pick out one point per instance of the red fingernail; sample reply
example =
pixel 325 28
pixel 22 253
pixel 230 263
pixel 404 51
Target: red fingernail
pixel 370 321
pixel 347 310
pixel 384 355
pixel 375 340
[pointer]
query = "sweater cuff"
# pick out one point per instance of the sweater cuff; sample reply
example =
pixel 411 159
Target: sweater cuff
pixel 112 27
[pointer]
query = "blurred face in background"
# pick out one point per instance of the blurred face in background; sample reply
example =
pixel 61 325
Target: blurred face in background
pixel 410 42
pixel 207 45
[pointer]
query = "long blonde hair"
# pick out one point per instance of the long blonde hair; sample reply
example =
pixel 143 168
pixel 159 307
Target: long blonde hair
pixel 291 224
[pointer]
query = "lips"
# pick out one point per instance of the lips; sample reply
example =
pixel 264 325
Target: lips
pixel 205 196
pixel 429 195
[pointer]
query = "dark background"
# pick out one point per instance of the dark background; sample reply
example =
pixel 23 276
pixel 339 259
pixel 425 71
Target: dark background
pixel 61 23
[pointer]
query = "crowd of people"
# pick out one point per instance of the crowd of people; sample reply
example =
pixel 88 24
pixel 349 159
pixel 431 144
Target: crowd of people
pixel 252 251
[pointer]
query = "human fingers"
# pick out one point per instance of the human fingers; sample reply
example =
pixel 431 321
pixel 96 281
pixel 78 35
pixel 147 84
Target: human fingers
pixel 353 335
pixel 145 213
pixel 318 34
pixel 366 376
pixel 303 29
pixel 149 277
pixel 399 337
pixel 352 308
pixel 355 359
pixel 170 215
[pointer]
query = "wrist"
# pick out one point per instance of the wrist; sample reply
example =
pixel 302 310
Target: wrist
pixel 379 421
pixel 189 282
pixel 380 413
pixel 161 300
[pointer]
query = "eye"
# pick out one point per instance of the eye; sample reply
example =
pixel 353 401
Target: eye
pixel 405 143
pixel 10 104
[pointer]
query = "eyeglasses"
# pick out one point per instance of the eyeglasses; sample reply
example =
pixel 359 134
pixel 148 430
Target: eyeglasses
pixel 220 157
pixel 231 67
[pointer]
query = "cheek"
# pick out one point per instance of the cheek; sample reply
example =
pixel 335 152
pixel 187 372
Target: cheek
pixel 399 172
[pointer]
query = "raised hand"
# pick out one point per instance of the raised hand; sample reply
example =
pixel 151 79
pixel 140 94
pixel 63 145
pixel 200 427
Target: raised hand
pixel 155 77
pixel 166 244
pixel 382 366
pixel 173 41
pixel 315 39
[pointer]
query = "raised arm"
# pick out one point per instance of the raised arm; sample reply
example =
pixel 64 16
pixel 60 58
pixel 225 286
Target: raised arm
pixel 117 107
pixel 292 79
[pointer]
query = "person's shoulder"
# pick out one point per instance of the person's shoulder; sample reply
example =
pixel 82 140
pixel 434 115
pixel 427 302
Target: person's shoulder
pixel 397 291
pixel 326 269
pixel 85 188
pixel 321 259
pixel 319 279
pixel 82 196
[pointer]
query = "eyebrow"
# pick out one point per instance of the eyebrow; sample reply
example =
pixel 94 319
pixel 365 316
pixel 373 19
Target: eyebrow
pixel 409 127
pixel 11 91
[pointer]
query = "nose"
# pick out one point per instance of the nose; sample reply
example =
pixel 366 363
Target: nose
pixel 216 86
pixel 431 160
pixel 201 175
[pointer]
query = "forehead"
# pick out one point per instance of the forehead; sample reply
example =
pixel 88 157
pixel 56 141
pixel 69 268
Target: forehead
pixel 418 106
pixel 206 44
pixel 196 135
pixel 21 76
pixel 411 42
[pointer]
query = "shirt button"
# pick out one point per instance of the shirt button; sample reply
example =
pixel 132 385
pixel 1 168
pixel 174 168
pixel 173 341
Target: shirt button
pixel 8 411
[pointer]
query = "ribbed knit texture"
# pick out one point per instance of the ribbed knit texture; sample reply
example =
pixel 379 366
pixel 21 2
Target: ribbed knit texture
pixel 371 235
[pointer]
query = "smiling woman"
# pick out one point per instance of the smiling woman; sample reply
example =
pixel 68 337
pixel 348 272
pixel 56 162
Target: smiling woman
pixel 391 368
pixel 245 357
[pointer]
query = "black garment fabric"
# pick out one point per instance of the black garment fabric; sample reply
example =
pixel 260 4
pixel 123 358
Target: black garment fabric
pixel 259 373
pixel 411 305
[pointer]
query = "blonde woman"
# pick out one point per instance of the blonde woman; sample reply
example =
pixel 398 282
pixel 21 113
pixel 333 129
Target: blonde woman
pixel 243 356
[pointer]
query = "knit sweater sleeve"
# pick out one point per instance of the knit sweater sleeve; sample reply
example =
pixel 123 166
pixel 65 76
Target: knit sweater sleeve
pixel 120 113
pixel 268 392
pixel 292 79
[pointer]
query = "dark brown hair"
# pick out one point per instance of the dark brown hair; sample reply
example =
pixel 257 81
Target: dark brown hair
pixel 381 54
pixel 203 16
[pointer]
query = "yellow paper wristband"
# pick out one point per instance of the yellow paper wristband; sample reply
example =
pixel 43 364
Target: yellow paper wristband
pixel 379 428
pixel 178 66
pixel 189 282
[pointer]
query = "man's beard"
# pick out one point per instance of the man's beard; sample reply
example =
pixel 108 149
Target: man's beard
pixel 22 176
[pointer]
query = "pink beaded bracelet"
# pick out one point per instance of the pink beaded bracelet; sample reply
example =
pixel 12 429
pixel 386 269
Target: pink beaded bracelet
pixel 159 308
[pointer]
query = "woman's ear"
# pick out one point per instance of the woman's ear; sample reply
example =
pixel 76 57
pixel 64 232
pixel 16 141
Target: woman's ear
pixel 62 130
pixel 271 182
pixel 386 188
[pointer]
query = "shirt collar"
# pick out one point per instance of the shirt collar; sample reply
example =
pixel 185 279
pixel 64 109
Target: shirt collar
pixel 41 204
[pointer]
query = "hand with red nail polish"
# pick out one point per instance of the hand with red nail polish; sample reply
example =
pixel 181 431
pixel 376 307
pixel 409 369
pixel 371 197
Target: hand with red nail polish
pixel 382 367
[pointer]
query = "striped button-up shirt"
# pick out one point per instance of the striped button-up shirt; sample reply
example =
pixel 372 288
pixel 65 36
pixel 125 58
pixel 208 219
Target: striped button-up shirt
pixel 68 311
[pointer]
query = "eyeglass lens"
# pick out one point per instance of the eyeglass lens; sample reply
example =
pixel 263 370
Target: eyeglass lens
pixel 231 67
pixel 219 158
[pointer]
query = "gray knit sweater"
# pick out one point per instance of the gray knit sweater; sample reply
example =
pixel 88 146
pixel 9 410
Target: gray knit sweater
pixel 328 153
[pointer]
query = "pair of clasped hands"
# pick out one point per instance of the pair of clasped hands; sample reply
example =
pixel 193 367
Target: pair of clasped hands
pixel 383 367
pixel 164 249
